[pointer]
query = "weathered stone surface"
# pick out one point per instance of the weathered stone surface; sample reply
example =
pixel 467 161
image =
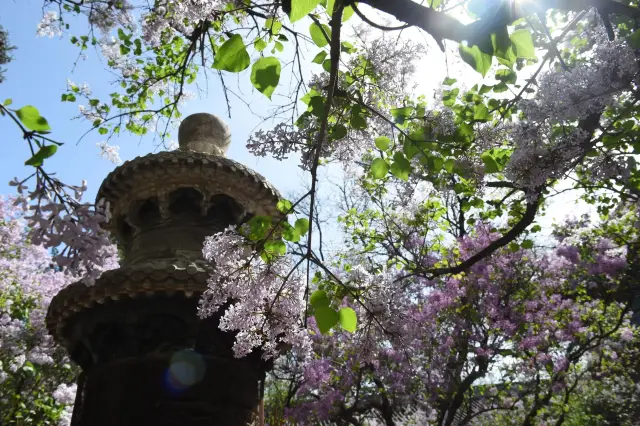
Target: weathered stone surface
pixel 205 133
pixel 136 333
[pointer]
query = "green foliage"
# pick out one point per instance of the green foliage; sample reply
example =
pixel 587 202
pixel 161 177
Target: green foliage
pixel 301 8
pixel 43 153
pixel 265 75
pixel 348 319
pixel 32 120
pixel 479 60
pixel 284 206
pixel 523 43
pixel 326 318
pixel 400 168
pixel 302 226
pixel 319 299
pixel 382 143
pixel 379 168
pixel 320 34
pixel 232 56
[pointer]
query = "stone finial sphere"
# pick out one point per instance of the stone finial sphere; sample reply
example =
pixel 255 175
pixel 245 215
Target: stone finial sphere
pixel 203 132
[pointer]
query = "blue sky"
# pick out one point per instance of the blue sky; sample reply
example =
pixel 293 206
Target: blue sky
pixel 38 77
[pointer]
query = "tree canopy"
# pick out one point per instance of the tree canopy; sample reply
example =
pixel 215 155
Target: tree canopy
pixel 447 303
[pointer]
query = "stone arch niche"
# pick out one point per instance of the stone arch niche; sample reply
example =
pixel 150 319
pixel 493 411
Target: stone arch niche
pixel 146 357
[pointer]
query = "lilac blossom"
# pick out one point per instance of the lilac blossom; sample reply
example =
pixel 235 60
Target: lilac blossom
pixel 28 282
pixel 263 300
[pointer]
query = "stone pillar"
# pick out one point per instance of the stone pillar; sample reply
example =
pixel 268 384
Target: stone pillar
pixel 146 358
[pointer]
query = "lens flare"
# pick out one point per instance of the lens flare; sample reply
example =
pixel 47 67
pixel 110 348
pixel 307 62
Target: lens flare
pixel 186 368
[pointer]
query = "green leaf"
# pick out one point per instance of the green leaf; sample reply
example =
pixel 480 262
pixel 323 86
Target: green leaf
pixel 7 102
pixel 347 47
pixel 265 75
pixel 506 76
pixel 400 167
pixel 284 206
pixel 527 244
pixel 358 122
pixel 232 56
pixel 290 233
pixel 484 89
pixel 500 87
pixel 503 47
pixel 634 39
pixel 32 120
pixel 490 163
pixel 318 36
pixel 260 45
pixel 277 247
pixel 273 25
pixel 449 81
pixel 258 227
pixel 103 130
pixel 382 143
pixel 448 165
pixel 301 8
pixel 43 153
pixel 348 319
pixel 320 57
pixel 326 318
pixel 302 225
pixel 379 168
pixel 338 132
pixel 514 247
pixel 523 43
pixel 347 13
pixel 319 299
pixel 478 60
pixel 401 114
pixel 480 112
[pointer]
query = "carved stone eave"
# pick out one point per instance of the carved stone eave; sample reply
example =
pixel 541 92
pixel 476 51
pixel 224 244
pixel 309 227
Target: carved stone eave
pixel 155 175
pixel 167 276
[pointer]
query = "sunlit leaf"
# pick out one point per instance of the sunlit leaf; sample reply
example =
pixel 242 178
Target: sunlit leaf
pixel 284 206
pixel 379 168
pixel 32 120
pixel 490 164
pixel 523 42
pixel 301 8
pixel 232 56
pixel 326 318
pixel 302 225
pixel 478 60
pixel 382 143
pixel 348 319
pixel 318 36
pixel 265 75
pixel 400 168
pixel 319 299
pixel 43 153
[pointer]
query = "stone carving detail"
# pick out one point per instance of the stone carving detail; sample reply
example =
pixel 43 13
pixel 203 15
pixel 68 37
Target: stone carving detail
pixel 126 330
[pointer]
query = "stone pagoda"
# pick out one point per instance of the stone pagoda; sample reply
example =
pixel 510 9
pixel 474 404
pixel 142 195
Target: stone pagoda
pixel 146 357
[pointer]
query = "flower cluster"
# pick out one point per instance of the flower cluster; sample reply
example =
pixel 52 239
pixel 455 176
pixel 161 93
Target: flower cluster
pixel 109 152
pixel 262 301
pixel 58 219
pixel 32 366
pixel 510 317
pixel 586 88
pixel 180 16
pixel 387 66
pixel 50 25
